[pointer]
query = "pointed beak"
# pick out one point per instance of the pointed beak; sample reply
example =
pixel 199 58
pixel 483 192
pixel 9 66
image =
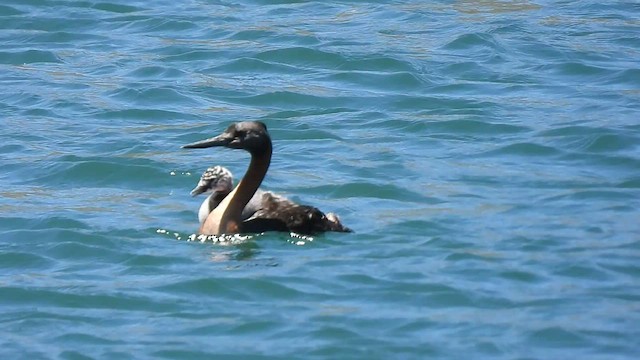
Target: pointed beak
pixel 198 190
pixel 221 140
pixel 223 186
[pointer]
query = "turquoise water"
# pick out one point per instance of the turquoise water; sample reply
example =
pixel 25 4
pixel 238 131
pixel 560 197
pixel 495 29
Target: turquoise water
pixel 486 153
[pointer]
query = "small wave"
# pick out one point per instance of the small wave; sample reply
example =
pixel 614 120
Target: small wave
pixel 471 127
pixel 606 195
pixel 557 337
pixel 138 113
pixel 611 143
pixel 116 8
pixel 96 172
pixel 373 63
pixel 469 41
pixel 251 65
pixel 591 139
pixel 378 81
pixel 633 183
pixel 524 149
pixel 151 96
pixel 28 57
pixel 9 11
pixel 146 24
pixel 18 262
pixel 292 100
pixel 237 289
pixel 303 57
pixel 156 71
pixel 253 35
pixel 187 54
pixel 378 191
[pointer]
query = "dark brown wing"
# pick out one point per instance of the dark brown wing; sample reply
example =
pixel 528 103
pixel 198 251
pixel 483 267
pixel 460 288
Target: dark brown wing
pixel 281 214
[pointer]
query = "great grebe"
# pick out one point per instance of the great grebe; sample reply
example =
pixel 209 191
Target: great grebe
pixel 276 213
pixel 217 182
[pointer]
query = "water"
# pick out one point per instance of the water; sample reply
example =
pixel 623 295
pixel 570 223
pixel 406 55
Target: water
pixel 486 153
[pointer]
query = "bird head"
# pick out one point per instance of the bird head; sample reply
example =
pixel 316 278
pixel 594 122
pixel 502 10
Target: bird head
pixel 251 136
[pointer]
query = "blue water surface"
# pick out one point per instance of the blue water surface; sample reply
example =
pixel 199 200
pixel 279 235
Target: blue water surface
pixel 486 154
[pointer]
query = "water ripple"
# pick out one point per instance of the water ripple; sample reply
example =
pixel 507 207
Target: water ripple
pixel 485 153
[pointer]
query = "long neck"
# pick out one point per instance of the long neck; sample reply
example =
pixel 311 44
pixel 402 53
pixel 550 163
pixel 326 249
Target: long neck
pixel 232 216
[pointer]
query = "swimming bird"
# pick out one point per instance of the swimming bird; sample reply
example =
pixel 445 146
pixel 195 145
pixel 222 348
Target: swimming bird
pixel 217 181
pixel 277 213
